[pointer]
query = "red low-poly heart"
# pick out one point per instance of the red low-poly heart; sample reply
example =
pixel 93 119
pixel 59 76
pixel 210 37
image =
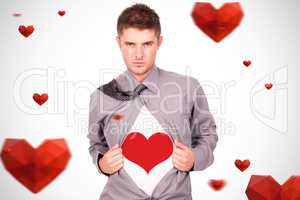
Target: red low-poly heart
pixel 266 188
pixel 61 12
pixel 147 153
pixel 26 31
pixel 35 168
pixel 242 165
pixel 268 85
pixel 217 184
pixel 40 99
pixel 217 23
pixel 247 63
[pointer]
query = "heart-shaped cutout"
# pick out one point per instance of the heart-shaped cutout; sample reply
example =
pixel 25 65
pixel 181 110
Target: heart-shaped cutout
pixel 217 23
pixel 35 168
pixel 26 31
pixel 40 99
pixel 217 184
pixel 242 165
pixel 61 12
pixel 147 153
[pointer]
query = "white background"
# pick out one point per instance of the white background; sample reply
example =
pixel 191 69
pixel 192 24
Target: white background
pixel 67 56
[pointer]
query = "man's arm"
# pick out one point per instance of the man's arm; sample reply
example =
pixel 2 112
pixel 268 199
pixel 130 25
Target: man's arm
pixel 98 144
pixel 203 129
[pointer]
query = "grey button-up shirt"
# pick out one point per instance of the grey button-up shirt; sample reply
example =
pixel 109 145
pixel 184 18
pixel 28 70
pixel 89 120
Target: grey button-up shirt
pixel 179 105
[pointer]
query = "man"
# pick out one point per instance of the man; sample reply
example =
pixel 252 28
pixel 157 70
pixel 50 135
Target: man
pixel 182 124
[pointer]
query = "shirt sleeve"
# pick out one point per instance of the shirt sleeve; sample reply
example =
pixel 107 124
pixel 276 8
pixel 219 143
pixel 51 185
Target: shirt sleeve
pixel 98 145
pixel 203 129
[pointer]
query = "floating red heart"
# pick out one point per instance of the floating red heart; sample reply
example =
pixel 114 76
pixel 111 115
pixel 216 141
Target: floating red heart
pixel 26 31
pixel 242 165
pixel 217 184
pixel 118 116
pixel 247 63
pixel 266 188
pixel 217 23
pixel 35 168
pixel 268 85
pixel 61 12
pixel 147 153
pixel 40 99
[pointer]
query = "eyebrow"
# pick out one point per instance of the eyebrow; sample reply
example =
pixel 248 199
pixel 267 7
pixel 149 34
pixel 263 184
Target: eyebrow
pixel 148 42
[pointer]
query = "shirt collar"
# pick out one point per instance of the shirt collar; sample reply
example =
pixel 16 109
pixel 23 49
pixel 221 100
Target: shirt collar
pixel 127 82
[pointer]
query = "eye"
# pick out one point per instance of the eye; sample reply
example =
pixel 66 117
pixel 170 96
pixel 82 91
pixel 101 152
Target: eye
pixel 130 44
pixel 148 44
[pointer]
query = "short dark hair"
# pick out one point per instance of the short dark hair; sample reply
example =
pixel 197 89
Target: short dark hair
pixel 139 16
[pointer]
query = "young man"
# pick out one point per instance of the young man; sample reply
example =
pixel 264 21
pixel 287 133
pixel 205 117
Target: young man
pixel 148 162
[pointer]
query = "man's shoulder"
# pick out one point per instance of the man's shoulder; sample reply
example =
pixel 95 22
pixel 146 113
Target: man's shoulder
pixel 181 79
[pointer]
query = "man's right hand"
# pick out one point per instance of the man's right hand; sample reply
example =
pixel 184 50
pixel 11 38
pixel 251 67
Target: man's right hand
pixel 112 160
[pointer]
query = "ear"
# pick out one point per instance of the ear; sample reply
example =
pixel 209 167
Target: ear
pixel 160 39
pixel 118 41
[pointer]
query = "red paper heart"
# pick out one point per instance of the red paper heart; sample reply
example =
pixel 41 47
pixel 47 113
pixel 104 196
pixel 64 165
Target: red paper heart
pixel 40 99
pixel 35 168
pixel 242 165
pixel 26 31
pixel 268 85
pixel 217 184
pixel 147 153
pixel 61 12
pixel 217 23
pixel 266 188
pixel 247 63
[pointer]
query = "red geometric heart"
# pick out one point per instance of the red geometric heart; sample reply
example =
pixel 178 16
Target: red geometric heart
pixel 263 188
pixel 266 188
pixel 268 85
pixel 217 23
pixel 217 184
pixel 40 99
pixel 242 165
pixel 26 31
pixel 35 168
pixel 247 63
pixel 61 12
pixel 291 188
pixel 147 153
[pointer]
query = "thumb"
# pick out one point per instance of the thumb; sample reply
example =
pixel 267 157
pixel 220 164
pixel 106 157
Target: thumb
pixel 180 145
pixel 115 146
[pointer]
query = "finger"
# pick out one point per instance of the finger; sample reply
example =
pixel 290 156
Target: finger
pixel 180 159
pixel 179 152
pixel 115 159
pixel 180 145
pixel 117 163
pixel 178 165
pixel 117 167
pixel 115 152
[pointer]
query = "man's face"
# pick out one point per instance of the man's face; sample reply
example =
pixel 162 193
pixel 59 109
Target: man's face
pixel 139 47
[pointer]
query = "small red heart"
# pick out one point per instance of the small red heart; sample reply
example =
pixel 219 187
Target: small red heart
pixel 268 85
pixel 147 153
pixel 247 63
pixel 61 12
pixel 217 23
pixel 40 99
pixel 35 168
pixel 26 31
pixel 16 14
pixel 242 165
pixel 118 116
pixel 216 184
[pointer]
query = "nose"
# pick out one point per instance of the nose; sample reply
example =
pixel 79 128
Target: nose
pixel 139 52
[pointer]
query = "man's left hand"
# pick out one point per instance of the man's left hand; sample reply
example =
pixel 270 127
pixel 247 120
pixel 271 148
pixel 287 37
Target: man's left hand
pixel 183 157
